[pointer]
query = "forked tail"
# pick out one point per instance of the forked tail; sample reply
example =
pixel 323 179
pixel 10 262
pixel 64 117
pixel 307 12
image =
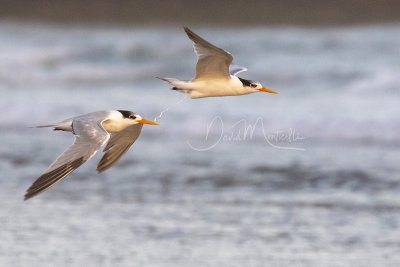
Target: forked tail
pixel 65 125
pixel 178 85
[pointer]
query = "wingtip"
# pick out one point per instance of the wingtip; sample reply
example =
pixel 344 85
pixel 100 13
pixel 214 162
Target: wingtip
pixel 101 166
pixel 188 31
pixel 48 179
pixel 101 169
pixel 28 196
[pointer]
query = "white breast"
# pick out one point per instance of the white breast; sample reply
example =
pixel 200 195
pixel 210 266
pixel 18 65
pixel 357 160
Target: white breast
pixel 217 87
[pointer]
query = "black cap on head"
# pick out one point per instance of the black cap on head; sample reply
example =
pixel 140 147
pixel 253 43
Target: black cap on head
pixel 246 82
pixel 127 114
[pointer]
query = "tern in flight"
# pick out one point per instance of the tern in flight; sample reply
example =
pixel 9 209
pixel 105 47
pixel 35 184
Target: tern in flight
pixel 118 128
pixel 215 76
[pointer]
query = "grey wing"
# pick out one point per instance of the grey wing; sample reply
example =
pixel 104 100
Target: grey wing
pixel 235 70
pixel 117 146
pixel 89 137
pixel 212 61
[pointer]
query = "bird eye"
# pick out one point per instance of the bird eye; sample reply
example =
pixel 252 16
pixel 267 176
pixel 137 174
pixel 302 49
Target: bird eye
pixel 253 85
pixel 132 117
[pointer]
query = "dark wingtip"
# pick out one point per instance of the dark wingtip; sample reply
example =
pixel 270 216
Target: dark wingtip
pixel 29 195
pixel 103 164
pixel 101 167
pixel 47 180
pixel 189 32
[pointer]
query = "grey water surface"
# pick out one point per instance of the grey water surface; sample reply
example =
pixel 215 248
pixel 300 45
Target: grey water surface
pixel 308 177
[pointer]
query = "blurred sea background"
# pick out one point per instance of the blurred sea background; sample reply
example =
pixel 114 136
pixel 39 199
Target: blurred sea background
pixel 308 177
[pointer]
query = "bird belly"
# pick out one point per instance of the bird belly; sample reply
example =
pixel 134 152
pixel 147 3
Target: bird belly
pixel 211 88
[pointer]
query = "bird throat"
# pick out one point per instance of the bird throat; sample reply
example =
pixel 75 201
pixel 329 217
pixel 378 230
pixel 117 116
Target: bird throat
pixel 116 126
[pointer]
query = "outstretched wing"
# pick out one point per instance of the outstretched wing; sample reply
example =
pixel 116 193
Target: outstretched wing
pixel 117 146
pixel 235 70
pixel 89 137
pixel 212 61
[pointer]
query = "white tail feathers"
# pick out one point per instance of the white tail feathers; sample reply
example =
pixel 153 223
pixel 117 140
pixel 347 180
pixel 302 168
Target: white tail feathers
pixel 171 81
pixel 65 125
pixel 44 126
pixel 179 85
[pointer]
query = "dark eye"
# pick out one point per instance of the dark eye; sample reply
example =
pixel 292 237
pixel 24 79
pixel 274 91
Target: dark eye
pixel 253 85
pixel 132 117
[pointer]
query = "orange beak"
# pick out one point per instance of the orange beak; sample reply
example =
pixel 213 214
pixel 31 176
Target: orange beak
pixel 267 90
pixel 147 122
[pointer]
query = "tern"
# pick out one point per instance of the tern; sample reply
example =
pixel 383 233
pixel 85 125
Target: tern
pixel 118 128
pixel 215 74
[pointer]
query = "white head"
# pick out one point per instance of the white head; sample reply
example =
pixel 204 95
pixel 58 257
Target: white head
pixel 253 86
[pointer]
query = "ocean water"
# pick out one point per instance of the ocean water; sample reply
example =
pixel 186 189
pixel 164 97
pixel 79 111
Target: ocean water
pixel 308 177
